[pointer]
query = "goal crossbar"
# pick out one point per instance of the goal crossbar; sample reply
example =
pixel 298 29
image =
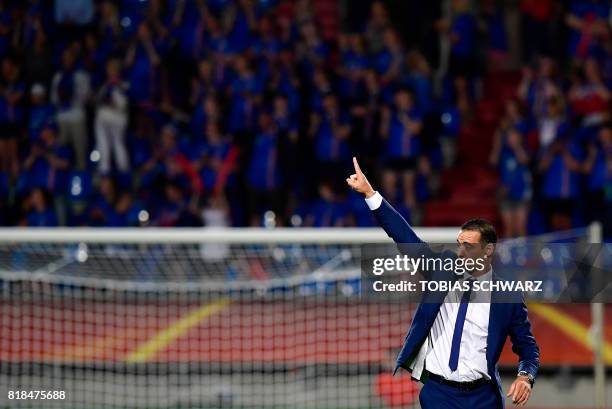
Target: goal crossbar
pixel 215 235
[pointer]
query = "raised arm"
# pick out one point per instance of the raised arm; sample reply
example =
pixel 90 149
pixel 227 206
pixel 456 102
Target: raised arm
pixel 389 219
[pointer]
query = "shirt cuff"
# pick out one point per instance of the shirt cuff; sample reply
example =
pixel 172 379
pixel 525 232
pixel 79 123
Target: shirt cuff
pixel 374 201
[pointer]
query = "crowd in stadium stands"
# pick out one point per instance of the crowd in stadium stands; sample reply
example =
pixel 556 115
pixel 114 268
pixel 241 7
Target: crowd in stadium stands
pixel 247 112
pixel 553 146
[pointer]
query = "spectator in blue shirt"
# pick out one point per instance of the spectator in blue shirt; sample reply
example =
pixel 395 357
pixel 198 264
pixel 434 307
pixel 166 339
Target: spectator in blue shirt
pixel 47 163
pixel 462 33
pixel 94 59
pixel 535 89
pixel 143 60
pixel 243 22
pixel 205 112
pixel 330 129
pixel 12 115
pixel 418 78
pixel 289 144
pixel 39 213
pixel 124 213
pixel 321 86
pixel 553 124
pixel 245 97
pixel 365 113
pixel 329 210
pixel 352 70
pixel 102 205
pixel 37 14
pixel 188 26
pixel 389 62
pixel 598 170
pixel 47 166
pixel 168 161
pixel 284 79
pixel 110 31
pixel 266 46
pixel 513 118
pixel 400 127
pixel 378 22
pixel 265 50
pixel 264 172
pixel 169 209
pixel 312 51
pixel 176 208
pixel 587 20
pixel 217 43
pixel 497 42
pixel 203 84
pixel 561 164
pixel 41 112
pixel 516 186
pixel 209 154
pixel 284 119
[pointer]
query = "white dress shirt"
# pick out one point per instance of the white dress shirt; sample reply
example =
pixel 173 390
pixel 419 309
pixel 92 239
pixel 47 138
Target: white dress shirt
pixel 435 351
pixel 473 348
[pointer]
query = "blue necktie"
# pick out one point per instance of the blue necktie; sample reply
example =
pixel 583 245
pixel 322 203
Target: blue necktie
pixel 453 361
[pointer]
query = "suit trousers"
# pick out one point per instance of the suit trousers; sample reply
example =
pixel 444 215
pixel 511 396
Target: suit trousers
pixel 435 395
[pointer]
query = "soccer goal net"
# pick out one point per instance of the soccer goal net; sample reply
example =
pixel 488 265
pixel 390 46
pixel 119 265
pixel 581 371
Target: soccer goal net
pixel 197 318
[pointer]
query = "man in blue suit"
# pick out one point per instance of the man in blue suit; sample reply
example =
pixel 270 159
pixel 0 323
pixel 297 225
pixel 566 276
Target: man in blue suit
pixel 453 345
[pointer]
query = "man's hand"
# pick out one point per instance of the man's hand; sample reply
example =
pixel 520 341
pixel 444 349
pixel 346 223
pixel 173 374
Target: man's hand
pixel 520 390
pixel 358 182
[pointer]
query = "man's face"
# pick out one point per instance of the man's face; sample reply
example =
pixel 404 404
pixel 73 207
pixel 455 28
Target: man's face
pixel 470 247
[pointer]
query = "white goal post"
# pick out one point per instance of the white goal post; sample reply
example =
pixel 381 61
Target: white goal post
pixel 216 235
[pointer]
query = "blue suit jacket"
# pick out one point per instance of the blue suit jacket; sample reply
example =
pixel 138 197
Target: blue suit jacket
pixel 505 319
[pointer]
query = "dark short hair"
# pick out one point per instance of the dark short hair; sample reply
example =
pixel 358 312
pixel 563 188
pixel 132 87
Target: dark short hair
pixel 486 229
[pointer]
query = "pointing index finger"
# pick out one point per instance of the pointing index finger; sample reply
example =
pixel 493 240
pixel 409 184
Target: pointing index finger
pixel 356 165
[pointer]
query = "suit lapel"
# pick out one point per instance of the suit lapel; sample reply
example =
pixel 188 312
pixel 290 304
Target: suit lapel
pixel 493 329
pixel 497 318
